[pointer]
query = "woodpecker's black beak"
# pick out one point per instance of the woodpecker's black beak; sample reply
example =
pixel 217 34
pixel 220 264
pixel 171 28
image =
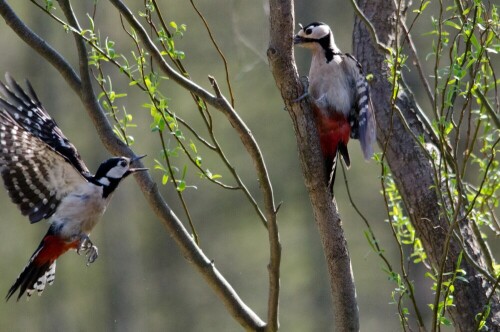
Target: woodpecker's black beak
pixel 298 40
pixel 133 170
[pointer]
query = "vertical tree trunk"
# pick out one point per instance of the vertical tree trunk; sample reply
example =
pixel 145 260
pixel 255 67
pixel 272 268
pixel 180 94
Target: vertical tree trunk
pixel 281 60
pixel 412 172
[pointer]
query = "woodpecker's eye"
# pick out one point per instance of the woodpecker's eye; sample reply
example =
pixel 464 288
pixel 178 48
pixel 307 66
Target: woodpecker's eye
pixel 308 31
pixel 123 163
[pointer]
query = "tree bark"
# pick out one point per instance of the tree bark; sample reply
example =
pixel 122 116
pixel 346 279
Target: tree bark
pixel 412 172
pixel 281 60
pixel 83 88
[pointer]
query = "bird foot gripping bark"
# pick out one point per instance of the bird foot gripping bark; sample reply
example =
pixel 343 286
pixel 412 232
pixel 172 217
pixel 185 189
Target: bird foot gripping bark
pixel 304 80
pixel 91 251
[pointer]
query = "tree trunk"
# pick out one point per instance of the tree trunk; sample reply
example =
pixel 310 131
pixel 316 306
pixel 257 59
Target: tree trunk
pixel 281 60
pixel 412 173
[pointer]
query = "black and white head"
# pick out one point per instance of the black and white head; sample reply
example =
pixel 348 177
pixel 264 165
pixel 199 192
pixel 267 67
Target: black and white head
pixel 112 171
pixel 315 36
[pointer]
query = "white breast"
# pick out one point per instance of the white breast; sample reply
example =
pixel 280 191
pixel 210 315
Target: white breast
pixel 328 84
pixel 80 211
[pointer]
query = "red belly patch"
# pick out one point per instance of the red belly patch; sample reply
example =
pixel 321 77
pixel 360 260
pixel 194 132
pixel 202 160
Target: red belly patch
pixel 333 129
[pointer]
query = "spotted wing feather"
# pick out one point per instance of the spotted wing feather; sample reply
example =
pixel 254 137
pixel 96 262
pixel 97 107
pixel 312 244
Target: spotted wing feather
pixel 362 119
pixel 27 110
pixel 36 176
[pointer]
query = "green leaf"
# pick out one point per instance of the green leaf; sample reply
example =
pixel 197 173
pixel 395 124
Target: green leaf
pixel 181 185
pixel 453 25
pixel 445 321
pixel 193 146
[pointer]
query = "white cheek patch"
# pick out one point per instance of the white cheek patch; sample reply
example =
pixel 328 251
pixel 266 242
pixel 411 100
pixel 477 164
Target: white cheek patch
pixel 319 32
pixel 116 172
pixel 104 181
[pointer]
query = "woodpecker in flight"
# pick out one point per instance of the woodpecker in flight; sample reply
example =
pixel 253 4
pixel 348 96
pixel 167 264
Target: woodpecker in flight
pixel 45 176
pixel 340 95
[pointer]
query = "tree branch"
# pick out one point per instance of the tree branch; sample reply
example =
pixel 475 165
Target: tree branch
pixel 221 104
pixel 281 60
pixel 238 309
pixel 414 174
pixel 40 46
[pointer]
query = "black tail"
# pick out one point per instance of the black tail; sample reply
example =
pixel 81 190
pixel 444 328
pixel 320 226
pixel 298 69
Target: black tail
pixel 32 278
pixel 342 150
pixel 41 269
pixel 331 165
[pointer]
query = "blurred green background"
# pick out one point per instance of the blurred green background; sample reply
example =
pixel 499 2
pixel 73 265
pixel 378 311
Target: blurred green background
pixel 141 282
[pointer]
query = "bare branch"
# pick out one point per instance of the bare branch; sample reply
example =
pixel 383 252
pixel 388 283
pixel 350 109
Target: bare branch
pixel 40 46
pixel 325 210
pixel 216 45
pixel 249 142
pixel 239 310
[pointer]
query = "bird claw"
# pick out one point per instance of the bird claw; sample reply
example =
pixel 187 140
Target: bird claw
pixel 304 80
pixel 301 97
pixel 91 251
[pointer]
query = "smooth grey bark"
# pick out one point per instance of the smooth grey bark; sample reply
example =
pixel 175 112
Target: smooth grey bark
pixel 413 174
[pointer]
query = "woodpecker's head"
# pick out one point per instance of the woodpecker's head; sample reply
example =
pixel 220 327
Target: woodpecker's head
pixel 113 170
pixel 317 36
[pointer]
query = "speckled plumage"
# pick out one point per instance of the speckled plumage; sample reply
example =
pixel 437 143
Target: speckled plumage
pixel 46 178
pixel 340 95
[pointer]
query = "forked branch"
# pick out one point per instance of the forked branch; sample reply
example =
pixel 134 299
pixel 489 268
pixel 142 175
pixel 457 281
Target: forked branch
pixel 237 308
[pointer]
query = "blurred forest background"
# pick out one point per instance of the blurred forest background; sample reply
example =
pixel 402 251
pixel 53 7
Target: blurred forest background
pixel 140 281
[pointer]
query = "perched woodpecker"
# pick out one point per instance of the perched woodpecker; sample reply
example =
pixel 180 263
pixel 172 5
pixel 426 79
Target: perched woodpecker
pixel 340 97
pixel 45 176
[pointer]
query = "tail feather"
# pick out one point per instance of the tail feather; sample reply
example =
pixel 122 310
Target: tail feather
pixel 342 150
pixel 330 168
pixel 32 278
pixel 331 171
pixel 367 134
pixel 331 165
pixel 41 267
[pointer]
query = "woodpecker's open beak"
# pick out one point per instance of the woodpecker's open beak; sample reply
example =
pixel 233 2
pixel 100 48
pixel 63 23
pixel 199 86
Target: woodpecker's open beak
pixel 133 170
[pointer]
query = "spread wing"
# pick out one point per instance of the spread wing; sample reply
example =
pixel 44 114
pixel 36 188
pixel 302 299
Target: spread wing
pixel 28 112
pixel 36 170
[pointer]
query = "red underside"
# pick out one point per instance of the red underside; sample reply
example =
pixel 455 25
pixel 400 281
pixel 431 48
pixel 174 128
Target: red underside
pixel 332 129
pixel 53 247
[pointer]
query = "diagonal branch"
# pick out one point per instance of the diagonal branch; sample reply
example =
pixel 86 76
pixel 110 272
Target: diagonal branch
pixel 232 301
pixel 221 104
pixel 40 46
pixel 237 308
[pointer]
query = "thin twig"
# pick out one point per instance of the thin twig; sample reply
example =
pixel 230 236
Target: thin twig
pixel 489 109
pixel 236 306
pixel 220 104
pixel 383 48
pixel 179 193
pixel 217 47
pixel 418 65
pixel 249 143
